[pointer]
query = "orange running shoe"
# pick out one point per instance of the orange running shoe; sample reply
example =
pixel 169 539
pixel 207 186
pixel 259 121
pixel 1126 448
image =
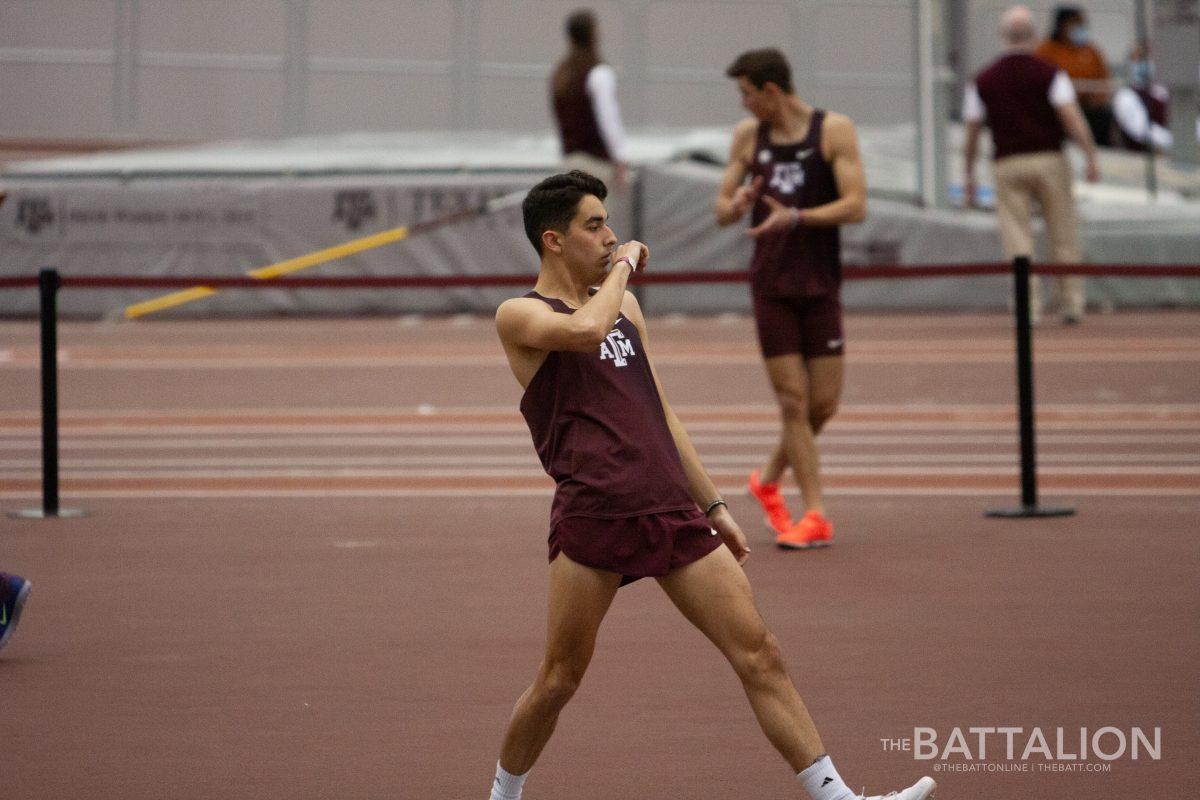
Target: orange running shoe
pixel 812 531
pixel 776 515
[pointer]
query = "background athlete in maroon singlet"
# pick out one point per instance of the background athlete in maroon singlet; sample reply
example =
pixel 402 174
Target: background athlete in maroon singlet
pixel 805 179
pixel 631 495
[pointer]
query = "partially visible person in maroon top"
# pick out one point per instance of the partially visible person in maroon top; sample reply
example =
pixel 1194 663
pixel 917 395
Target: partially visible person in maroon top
pixel 632 499
pixel 583 95
pixel 1142 108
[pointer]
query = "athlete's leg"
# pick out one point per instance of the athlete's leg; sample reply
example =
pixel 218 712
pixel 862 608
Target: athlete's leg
pixel 579 598
pixel 825 379
pixel 715 596
pixel 789 378
pixel 776 464
pixel 779 333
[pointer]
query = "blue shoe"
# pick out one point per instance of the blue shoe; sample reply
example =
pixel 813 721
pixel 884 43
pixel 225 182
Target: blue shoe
pixel 13 591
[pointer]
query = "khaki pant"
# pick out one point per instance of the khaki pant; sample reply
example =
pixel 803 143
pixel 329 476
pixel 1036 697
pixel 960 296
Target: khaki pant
pixel 1046 178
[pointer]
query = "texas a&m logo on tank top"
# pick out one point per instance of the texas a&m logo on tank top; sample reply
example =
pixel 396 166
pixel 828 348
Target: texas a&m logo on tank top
pixel 617 347
pixel 786 176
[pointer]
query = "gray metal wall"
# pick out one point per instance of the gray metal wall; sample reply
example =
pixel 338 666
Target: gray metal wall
pixel 204 69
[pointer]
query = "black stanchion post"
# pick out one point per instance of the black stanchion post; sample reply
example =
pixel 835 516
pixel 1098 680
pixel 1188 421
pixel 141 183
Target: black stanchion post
pixel 48 284
pixel 1029 505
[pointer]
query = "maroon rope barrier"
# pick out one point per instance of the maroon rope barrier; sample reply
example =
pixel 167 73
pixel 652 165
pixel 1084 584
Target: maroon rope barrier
pixel 849 272
pixel 1120 270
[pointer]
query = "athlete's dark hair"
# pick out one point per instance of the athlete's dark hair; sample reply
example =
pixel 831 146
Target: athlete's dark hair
pixel 1063 15
pixel 761 66
pixel 552 204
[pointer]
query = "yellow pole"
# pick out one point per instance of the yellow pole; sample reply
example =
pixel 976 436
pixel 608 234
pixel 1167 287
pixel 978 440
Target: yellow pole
pixel 272 271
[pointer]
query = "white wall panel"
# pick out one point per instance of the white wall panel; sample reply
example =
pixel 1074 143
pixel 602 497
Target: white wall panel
pixel 514 104
pixel 57 23
pixel 209 103
pixel 382 29
pixel 865 37
pixel 379 102
pixel 712 102
pixel 524 31
pixel 212 26
pixel 56 100
pixel 708 36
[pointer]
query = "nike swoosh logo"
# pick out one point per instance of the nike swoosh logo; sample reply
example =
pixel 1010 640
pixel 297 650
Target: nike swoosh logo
pixel 803 154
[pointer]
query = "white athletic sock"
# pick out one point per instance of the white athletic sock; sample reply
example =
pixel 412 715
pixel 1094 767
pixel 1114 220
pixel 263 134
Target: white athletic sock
pixel 822 781
pixel 507 786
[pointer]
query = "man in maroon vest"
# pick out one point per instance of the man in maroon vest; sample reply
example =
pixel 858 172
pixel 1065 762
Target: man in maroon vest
pixel 632 499
pixel 1031 108
pixel 806 179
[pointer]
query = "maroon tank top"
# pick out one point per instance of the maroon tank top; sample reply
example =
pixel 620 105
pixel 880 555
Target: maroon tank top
pixel 600 431
pixel 802 262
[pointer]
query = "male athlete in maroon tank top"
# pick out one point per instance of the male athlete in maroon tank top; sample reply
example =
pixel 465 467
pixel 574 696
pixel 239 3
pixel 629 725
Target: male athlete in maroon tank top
pixel 805 180
pixel 632 499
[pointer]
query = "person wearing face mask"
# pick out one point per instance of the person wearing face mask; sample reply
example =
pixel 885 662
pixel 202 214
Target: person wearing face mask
pixel 1070 49
pixel 1142 107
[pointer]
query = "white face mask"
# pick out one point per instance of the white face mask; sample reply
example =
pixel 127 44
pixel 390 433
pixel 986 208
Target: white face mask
pixel 1078 35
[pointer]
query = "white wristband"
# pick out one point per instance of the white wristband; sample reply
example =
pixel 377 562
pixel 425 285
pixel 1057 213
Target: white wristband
pixel 632 262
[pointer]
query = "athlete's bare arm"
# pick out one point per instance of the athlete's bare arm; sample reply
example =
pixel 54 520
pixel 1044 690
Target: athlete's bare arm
pixel 529 328
pixel 735 197
pixel 700 486
pixel 839 145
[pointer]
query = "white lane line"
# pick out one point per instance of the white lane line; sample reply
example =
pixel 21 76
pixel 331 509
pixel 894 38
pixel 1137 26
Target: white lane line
pixel 908 491
pixel 450 428
pixel 509 410
pixel 204 443
pixel 454 441
pixel 746 459
pixel 466 473
pixel 748 360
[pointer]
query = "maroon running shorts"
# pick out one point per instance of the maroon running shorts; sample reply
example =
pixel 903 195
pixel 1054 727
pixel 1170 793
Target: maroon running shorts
pixel 650 545
pixel 810 326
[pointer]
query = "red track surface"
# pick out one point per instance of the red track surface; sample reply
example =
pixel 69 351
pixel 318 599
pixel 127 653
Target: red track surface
pixel 313 564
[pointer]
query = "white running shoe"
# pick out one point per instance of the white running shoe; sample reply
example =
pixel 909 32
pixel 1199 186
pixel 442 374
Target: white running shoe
pixel 918 791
